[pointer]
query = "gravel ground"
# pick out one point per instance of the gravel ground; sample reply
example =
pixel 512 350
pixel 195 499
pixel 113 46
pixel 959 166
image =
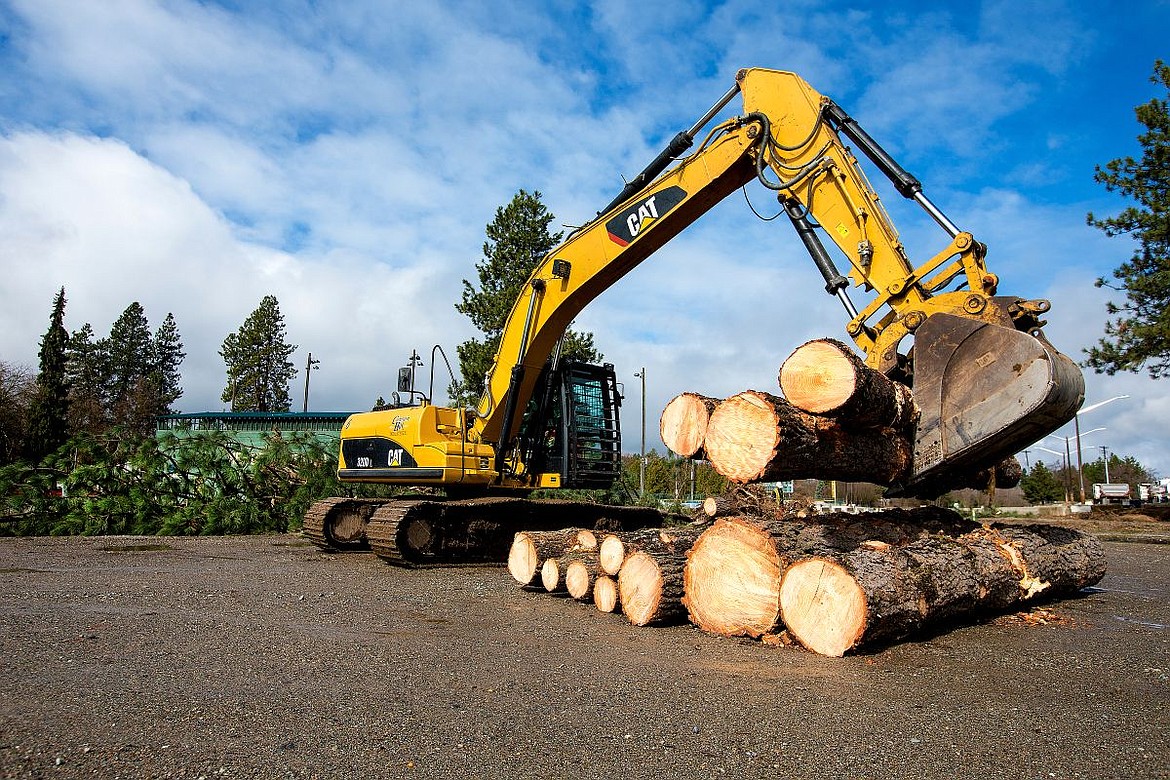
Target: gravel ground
pixel 263 657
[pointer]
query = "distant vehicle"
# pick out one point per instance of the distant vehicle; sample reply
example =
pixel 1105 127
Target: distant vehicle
pixel 1154 492
pixel 1111 492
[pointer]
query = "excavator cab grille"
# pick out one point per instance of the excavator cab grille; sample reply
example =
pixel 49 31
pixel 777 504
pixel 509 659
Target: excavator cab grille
pixel 572 426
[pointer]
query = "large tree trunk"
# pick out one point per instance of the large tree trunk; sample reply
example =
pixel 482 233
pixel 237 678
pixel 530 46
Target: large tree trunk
pixel 826 377
pixel 832 603
pixel 756 436
pixel 684 424
pixel 651 588
pixel 733 571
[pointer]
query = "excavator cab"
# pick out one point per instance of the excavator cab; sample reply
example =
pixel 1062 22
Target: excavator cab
pixel 571 433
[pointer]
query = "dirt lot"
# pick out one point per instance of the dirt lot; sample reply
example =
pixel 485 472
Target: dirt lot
pixel 262 657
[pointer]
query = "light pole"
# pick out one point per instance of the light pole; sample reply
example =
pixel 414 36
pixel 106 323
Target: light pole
pixel 1077 426
pixel 1067 439
pixel 309 366
pixel 642 461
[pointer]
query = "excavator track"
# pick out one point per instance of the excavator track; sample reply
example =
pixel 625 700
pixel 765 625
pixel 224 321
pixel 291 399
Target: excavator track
pixel 338 524
pixel 479 531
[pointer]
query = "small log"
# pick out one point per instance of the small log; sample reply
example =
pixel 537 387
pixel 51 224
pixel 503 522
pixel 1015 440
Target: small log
pixel 530 549
pixel 825 376
pixel 651 588
pixel 587 539
pixel 1007 474
pixel 719 506
pixel 552 576
pixel 756 436
pixel 733 571
pixel 615 548
pixel 605 594
pixel 580 573
pixel 834 603
pixel 683 424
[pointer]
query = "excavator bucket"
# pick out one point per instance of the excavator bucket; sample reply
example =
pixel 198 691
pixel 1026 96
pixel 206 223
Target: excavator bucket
pixel 985 392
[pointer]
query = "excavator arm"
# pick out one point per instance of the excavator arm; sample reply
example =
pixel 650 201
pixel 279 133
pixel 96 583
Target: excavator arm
pixel 986 380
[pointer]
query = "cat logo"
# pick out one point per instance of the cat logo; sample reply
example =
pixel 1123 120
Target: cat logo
pixel 631 222
pixel 394 459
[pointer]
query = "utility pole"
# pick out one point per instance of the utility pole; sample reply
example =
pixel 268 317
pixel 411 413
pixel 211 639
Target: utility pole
pixel 642 461
pixel 310 364
pixel 1105 460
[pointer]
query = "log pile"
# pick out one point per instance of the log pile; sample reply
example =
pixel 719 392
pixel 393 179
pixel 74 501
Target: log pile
pixel 837 420
pixel 831 583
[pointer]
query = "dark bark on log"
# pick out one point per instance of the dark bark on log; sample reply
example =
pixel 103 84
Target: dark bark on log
pixel 827 377
pixel 719 506
pixel 833 603
pixel 1007 473
pixel 651 588
pixel 756 436
pixel 758 550
pixel 683 424
pixel 605 594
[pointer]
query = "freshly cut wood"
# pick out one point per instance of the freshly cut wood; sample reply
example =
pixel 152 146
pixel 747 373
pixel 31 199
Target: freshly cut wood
pixel 530 549
pixel 605 594
pixel 587 539
pixel 580 573
pixel 755 436
pixel 733 571
pixel 683 424
pixel 650 587
pixel 832 603
pixel 718 506
pixel 616 547
pixel 825 376
pixel 552 576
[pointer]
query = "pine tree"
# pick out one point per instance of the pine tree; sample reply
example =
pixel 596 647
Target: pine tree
pixel 131 395
pixel 1140 334
pixel 518 239
pixel 48 413
pixel 1041 486
pixel 168 356
pixel 258 368
pixel 89 377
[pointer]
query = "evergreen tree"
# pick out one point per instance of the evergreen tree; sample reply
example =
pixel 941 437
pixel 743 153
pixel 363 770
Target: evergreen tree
pixel 518 239
pixel 257 358
pixel 1140 334
pixel 168 356
pixel 88 373
pixel 49 410
pixel 1041 486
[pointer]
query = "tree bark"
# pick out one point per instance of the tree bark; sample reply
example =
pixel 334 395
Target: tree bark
pixel 756 436
pixel 683 424
pixel 605 594
pixel 733 571
pixel 827 377
pixel 651 588
pixel 832 603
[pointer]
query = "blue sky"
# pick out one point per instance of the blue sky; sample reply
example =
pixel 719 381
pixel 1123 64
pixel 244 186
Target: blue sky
pixel 346 157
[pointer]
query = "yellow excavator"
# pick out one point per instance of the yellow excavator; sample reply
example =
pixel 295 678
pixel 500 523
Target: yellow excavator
pixel 986 380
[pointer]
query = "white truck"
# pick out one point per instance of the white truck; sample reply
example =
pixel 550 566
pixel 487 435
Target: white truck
pixel 1111 492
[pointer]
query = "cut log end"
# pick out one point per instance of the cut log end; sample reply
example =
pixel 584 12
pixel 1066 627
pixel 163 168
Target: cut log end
pixel 823 606
pixel 611 554
pixel 640 588
pixel 683 424
pixel 742 436
pixel 732 581
pixel 550 576
pixel 523 560
pixel 818 377
pixel 605 594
